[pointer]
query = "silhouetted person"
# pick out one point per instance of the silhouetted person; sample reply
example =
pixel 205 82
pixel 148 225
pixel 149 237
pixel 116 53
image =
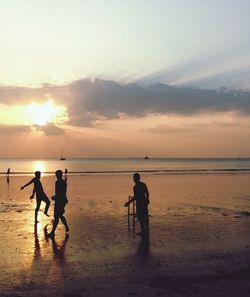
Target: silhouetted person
pixel 60 202
pixel 141 196
pixel 40 195
pixel 8 176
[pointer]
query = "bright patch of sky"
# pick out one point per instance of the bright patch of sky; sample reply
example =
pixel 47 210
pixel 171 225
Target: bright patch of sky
pixel 58 41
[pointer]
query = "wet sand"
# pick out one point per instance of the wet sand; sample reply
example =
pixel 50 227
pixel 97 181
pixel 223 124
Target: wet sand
pixel 199 243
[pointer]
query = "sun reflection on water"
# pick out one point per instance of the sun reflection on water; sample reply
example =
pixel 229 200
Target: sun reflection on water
pixel 39 166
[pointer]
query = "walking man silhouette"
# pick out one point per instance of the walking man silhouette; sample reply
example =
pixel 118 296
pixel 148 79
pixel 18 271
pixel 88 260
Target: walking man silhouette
pixel 61 200
pixel 40 195
pixel 8 176
pixel 141 196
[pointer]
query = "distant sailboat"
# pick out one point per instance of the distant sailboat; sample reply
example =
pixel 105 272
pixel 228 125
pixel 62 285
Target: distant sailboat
pixel 62 158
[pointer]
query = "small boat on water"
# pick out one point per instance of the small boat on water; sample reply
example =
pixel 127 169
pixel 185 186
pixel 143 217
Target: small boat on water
pixel 146 158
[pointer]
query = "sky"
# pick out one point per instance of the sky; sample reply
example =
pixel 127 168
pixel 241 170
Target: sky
pixel 125 78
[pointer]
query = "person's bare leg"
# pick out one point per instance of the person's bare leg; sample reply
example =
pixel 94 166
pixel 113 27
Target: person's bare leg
pixel 64 221
pixel 47 207
pixel 142 224
pixel 55 223
pixel 38 203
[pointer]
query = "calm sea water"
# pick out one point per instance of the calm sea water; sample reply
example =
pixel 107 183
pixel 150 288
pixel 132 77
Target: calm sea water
pixel 115 165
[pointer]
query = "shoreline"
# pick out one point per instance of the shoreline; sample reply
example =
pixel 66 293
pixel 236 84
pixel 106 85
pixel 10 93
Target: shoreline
pixel 127 172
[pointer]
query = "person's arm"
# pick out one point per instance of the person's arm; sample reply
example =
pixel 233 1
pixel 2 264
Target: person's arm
pixel 54 197
pixel 57 189
pixel 65 192
pixel 29 183
pixel 33 194
pixel 131 199
pixel 147 193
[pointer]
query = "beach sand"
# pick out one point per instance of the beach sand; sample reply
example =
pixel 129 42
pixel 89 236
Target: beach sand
pixel 199 243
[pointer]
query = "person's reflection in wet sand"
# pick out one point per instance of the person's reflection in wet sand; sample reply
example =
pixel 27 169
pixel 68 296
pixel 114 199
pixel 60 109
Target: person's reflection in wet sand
pixel 63 270
pixel 144 246
pixel 37 249
pixel 58 250
pixel 46 261
pixel 40 267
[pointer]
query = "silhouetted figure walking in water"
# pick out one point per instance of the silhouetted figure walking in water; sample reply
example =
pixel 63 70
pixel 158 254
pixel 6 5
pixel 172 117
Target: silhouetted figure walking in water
pixel 141 196
pixel 60 202
pixel 8 176
pixel 40 195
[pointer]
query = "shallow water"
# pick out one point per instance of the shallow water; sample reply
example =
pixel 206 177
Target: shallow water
pixel 116 165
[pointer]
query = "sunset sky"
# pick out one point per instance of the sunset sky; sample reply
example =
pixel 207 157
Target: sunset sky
pixel 125 78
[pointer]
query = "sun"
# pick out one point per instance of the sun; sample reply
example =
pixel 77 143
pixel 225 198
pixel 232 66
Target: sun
pixel 47 112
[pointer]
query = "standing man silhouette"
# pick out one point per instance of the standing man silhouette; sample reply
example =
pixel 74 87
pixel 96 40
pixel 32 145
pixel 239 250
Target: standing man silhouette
pixel 141 196
pixel 40 195
pixel 8 176
pixel 60 202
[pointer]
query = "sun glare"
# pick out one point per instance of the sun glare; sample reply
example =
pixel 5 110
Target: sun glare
pixel 47 112
pixel 39 166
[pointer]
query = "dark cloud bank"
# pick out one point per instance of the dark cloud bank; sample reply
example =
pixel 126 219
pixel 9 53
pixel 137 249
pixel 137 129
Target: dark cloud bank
pixel 88 101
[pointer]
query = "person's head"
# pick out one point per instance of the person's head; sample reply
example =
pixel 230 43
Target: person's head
pixel 38 174
pixel 59 174
pixel 136 177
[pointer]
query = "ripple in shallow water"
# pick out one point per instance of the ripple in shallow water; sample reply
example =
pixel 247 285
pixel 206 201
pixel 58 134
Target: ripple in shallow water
pixel 9 207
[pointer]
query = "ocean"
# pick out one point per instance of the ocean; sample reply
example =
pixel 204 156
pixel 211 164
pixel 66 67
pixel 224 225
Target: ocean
pixel 126 165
